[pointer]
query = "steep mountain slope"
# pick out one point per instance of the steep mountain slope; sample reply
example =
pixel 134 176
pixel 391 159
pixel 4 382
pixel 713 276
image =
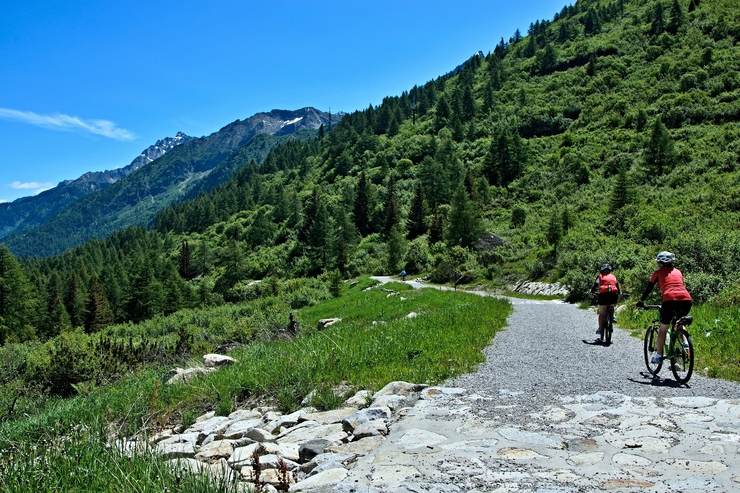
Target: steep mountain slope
pixel 29 212
pixel 607 134
pixel 196 165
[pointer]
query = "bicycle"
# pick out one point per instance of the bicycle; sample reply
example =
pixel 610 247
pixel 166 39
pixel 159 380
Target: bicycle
pixel 678 347
pixel 605 336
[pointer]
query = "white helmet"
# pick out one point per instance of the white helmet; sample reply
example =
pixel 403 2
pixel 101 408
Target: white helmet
pixel 665 258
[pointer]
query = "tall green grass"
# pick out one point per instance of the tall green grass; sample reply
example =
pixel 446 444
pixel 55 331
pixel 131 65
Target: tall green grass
pixel 375 343
pixel 715 333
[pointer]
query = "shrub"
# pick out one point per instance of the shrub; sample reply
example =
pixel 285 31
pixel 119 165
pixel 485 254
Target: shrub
pixel 417 256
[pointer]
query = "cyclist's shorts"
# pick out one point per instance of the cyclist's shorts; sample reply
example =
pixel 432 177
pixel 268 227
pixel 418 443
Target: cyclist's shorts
pixel 608 298
pixel 673 310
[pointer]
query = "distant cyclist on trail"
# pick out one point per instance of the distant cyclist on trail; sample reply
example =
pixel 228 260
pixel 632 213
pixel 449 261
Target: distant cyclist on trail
pixel 675 298
pixel 608 293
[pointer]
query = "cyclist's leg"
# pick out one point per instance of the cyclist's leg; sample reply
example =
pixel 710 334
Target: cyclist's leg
pixel 603 309
pixel 666 316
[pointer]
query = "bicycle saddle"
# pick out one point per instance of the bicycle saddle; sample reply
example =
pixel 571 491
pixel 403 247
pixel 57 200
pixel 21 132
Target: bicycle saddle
pixel 685 321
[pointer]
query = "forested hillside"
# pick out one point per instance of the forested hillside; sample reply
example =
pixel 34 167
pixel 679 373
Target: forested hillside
pixel 196 166
pixel 606 134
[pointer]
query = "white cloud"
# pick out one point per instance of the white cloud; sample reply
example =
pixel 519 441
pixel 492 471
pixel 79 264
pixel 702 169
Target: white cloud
pixel 60 121
pixel 35 187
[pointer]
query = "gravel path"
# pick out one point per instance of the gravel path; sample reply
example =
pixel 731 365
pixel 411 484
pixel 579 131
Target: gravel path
pixel 548 350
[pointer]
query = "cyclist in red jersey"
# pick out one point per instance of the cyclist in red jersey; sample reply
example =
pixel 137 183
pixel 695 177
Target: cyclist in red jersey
pixel 608 288
pixel 675 298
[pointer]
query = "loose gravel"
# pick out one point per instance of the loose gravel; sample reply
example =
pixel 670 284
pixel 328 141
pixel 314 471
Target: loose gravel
pixel 549 350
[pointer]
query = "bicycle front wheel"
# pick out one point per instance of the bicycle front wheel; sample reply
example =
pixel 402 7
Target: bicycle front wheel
pixel 651 339
pixel 682 357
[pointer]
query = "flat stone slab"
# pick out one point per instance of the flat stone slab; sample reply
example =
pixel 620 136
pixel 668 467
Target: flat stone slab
pixel 416 438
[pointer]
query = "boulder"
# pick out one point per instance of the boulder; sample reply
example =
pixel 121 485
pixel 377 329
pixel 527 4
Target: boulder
pixel 310 449
pixel 325 461
pixel 243 414
pixel 175 450
pixel 359 400
pixel 329 417
pixel 272 477
pixel 365 415
pixel 211 426
pixel 242 456
pixel 185 375
pixel 370 429
pixel 288 451
pixel 393 402
pixel 260 435
pixel 412 315
pixel 239 429
pixel 327 322
pixel 320 481
pixel 399 388
pixel 215 450
pixel 332 432
pixel 217 360
pixel 272 461
pixel 358 447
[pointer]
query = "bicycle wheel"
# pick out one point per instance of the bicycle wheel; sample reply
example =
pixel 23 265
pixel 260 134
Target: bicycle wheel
pixel 651 337
pixel 682 356
pixel 609 328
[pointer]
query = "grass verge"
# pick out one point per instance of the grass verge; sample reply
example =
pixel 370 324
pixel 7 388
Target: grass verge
pixel 376 342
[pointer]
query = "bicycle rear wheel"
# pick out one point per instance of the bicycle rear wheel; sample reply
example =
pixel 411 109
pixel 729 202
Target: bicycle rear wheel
pixel 651 338
pixel 682 356
pixel 609 327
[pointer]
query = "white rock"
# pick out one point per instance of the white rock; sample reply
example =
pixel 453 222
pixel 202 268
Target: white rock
pixel 365 415
pixel 436 392
pixel 332 432
pixel 416 438
pixel 371 428
pixel 328 322
pixel 217 449
pixel 286 450
pixel 399 388
pixel 358 447
pixel 392 402
pixel 243 455
pixel 240 429
pixel 322 480
pixel 269 476
pixel 176 450
pixel 329 417
pixel 244 414
pixel 412 315
pixel 260 435
pixel 217 360
pixel 272 461
pixel 359 400
pixel 184 375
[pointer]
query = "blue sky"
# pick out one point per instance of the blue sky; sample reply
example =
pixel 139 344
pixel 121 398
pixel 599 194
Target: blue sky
pixel 87 85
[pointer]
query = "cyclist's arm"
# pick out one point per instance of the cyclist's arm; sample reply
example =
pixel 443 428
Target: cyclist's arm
pixel 595 285
pixel 619 289
pixel 647 291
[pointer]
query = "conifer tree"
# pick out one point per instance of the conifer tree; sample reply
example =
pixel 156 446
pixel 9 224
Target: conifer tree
pixel 74 301
pixel 464 225
pixel 506 158
pixel 417 214
pixel 57 318
pixel 620 193
pixel 530 49
pixel 657 25
pixel 548 60
pixel 391 209
pixel 554 229
pixel 361 209
pixel 395 245
pixel 676 18
pixel 437 227
pixel 185 261
pixel 659 153
pixel 321 132
pixel 17 302
pixel 518 217
pixel 97 309
pixel 442 113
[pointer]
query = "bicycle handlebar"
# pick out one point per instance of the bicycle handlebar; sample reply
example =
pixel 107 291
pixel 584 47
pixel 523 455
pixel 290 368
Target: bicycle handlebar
pixel 651 307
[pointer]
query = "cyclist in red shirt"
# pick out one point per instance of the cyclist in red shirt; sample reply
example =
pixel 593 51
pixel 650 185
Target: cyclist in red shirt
pixel 675 298
pixel 608 288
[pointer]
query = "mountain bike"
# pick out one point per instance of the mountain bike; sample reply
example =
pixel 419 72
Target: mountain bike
pixel 605 336
pixel 679 349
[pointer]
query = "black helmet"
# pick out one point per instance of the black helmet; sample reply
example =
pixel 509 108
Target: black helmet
pixel 605 269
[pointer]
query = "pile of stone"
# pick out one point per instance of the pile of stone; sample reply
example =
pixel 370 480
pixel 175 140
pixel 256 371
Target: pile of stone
pixel 541 288
pixel 307 450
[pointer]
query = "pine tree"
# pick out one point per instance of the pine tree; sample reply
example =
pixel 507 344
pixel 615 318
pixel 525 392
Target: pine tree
pixel 468 102
pixel 591 22
pixel 391 209
pixel 659 153
pixel 417 214
pixel 548 60
pixel 676 18
pixel 464 225
pixel 518 217
pixel 620 193
pixel 657 25
pixel 554 229
pixel 321 132
pixel 505 159
pixel 17 302
pixel 185 261
pixel 395 249
pixel 318 239
pixel 530 49
pixel 442 113
pixel 437 227
pixel 98 313
pixel 361 209
pixel 57 318
pixel 74 301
